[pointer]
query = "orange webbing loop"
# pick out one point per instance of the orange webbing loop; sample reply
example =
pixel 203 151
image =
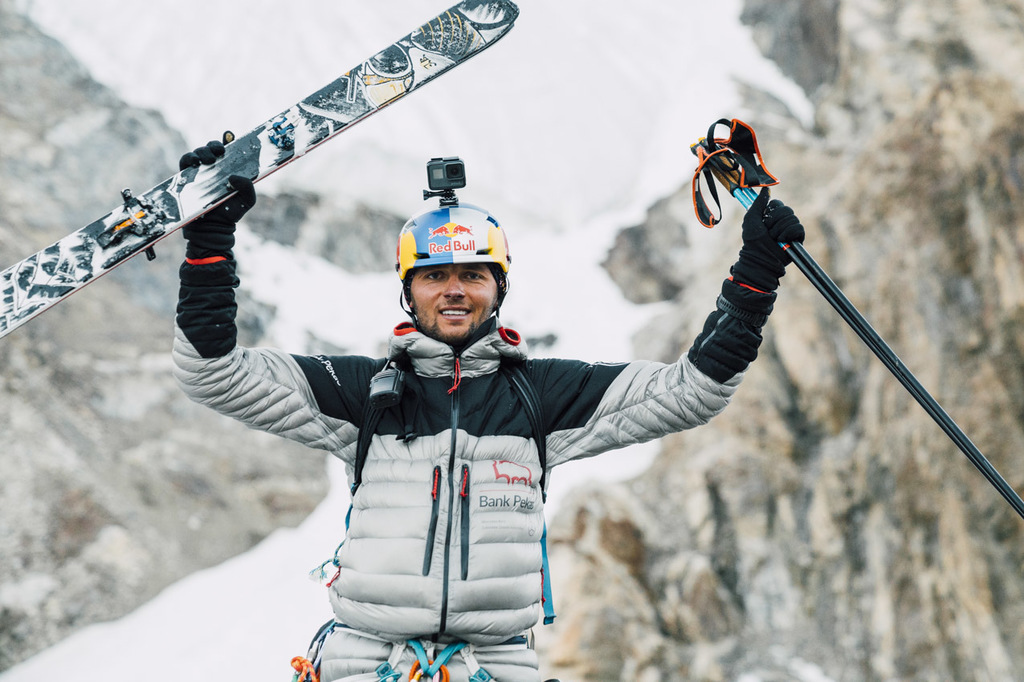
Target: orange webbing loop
pixel 304 670
pixel 415 673
pixel 735 161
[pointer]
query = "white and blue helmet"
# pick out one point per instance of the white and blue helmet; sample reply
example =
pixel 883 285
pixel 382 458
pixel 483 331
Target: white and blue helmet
pixel 452 234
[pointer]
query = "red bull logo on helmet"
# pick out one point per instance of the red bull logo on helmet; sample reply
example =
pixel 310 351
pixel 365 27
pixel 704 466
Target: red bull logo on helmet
pixel 456 234
pixel 451 238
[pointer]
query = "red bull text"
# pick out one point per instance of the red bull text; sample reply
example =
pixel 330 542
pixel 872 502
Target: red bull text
pixel 457 241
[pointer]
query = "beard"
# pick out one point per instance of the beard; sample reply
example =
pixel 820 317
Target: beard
pixel 452 338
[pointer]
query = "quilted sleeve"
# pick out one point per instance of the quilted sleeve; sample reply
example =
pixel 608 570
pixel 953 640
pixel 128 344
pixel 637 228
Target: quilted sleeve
pixel 265 389
pixel 642 401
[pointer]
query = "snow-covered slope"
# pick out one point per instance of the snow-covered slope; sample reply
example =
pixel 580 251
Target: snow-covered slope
pixel 570 127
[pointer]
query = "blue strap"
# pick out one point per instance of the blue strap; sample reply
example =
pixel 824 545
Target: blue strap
pixel 428 668
pixel 547 600
pixel 318 643
pixel 421 653
pixel 386 673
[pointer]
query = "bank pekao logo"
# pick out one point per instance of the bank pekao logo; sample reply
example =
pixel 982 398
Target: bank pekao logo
pixel 512 473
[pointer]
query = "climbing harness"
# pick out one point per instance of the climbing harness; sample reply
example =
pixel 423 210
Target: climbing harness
pixel 423 666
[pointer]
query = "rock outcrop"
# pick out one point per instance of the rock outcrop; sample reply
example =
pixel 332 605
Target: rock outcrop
pixel 824 527
pixel 112 484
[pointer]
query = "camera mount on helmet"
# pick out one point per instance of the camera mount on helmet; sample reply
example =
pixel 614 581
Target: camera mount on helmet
pixel 444 176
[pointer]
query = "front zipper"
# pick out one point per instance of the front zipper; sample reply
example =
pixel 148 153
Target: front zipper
pixel 435 489
pixel 464 520
pixel 451 497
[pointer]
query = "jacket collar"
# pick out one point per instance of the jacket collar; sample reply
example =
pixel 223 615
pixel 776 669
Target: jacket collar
pixel 433 358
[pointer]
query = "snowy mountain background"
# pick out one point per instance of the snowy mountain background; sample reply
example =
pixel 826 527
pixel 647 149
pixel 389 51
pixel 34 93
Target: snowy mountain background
pixel 582 120
pixel 571 127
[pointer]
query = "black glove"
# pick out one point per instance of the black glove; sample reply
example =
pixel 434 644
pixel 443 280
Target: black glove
pixel 232 210
pixel 762 262
pixel 732 334
pixel 206 156
pixel 213 233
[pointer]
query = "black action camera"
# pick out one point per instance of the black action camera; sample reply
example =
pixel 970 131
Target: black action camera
pixel 446 173
pixel 444 176
pixel 386 387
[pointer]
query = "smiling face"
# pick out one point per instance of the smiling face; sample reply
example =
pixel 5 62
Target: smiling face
pixel 451 301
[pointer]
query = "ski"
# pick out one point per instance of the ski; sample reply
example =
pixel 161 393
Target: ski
pixel 42 280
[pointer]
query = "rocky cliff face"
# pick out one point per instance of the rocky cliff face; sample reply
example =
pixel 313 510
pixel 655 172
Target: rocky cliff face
pixel 822 528
pixel 112 485
pixel 824 525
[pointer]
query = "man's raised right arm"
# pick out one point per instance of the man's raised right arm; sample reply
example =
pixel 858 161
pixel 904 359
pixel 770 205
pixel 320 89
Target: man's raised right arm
pixel 264 388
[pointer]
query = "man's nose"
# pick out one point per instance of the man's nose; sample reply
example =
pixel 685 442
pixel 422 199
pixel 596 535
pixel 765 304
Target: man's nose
pixel 454 288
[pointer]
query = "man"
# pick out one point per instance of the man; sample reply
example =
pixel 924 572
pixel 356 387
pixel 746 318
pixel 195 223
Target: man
pixel 443 560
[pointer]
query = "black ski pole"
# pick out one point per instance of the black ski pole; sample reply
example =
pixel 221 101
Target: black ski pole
pixel 838 300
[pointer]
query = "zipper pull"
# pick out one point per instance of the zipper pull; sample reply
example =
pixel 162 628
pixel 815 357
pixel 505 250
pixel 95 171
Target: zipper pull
pixel 435 487
pixel 464 504
pixel 458 376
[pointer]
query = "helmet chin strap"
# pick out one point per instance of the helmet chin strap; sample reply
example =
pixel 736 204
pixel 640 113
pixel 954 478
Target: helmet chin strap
pixel 501 279
pixel 407 309
pixel 406 306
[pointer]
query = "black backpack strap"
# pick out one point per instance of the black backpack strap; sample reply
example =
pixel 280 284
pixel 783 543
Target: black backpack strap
pixel 521 383
pixel 523 387
pixel 371 417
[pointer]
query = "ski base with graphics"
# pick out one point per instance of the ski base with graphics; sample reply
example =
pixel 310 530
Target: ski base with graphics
pixel 44 279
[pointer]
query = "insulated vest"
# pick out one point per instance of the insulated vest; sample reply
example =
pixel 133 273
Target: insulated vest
pixel 527 394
